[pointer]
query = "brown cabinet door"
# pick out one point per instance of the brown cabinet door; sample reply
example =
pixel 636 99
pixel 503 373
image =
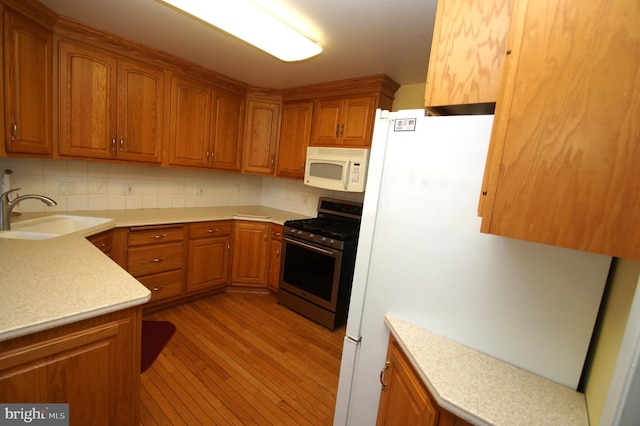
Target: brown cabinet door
pixel 141 103
pixel 326 122
pixel 344 122
pixel 467 51
pixel 275 257
pixel 250 249
pixel 88 100
pixel 189 124
pixel 226 131
pixel 261 137
pixel 404 399
pixel 295 132
pixel 27 86
pixel 563 163
pixel 208 264
pixel 357 121
pixel 93 364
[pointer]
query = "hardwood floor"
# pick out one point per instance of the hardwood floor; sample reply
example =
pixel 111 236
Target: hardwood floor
pixel 240 358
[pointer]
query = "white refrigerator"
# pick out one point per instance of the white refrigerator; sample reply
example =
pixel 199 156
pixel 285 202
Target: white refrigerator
pixel 422 258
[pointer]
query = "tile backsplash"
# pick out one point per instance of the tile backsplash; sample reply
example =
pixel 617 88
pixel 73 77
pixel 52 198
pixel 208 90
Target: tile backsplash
pixel 84 185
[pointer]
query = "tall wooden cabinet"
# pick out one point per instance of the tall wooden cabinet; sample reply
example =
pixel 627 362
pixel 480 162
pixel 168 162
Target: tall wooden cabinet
pixel 28 85
pixel 110 107
pixel 563 161
pixel 467 51
pixel 261 136
pixel 295 134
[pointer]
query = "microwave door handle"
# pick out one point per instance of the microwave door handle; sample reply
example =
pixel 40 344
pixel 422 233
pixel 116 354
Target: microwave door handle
pixel 347 177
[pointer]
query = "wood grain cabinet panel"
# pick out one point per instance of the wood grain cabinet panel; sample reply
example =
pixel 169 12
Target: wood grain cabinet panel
pixel 109 108
pixel 249 255
pixel 295 134
pixel 343 121
pixel 209 255
pixel 275 257
pixel 563 160
pixel 467 52
pixel 405 400
pixel 28 83
pixel 93 365
pixel 261 136
pixel 227 131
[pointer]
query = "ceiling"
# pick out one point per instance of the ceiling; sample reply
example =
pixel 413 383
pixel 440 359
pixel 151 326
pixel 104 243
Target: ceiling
pixel 359 37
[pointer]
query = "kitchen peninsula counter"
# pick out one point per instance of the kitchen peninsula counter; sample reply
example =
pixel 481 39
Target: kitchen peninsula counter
pixel 52 282
pixel 484 390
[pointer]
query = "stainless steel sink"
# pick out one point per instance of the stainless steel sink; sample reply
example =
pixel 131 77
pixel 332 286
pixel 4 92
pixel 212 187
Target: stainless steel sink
pixel 51 226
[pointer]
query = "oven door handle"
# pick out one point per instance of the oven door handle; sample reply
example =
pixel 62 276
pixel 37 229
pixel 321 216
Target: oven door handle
pixel 310 247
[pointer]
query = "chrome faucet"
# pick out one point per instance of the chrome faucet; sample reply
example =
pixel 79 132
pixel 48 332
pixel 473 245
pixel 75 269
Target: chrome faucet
pixel 7 206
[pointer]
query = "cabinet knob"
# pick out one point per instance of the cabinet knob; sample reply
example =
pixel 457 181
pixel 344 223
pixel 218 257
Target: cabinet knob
pixel 113 144
pixel 121 143
pixel 157 288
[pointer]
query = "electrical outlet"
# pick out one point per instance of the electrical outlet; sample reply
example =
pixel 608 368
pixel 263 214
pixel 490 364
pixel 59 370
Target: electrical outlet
pixel 126 189
pixel 66 188
pixel 199 191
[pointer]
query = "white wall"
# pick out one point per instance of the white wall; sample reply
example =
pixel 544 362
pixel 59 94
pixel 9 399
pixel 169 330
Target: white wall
pixel 85 185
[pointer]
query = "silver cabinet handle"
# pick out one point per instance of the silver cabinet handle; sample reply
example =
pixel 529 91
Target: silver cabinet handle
pixel 113 144
pixel 211 231
pixel 121 143
pixel 158 260
pixel 14 130
pixel 157 288
pixel 158 236
pixel 384 369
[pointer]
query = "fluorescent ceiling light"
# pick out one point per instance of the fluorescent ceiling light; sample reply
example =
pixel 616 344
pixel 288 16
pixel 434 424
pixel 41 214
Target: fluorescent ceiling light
pixel 247 21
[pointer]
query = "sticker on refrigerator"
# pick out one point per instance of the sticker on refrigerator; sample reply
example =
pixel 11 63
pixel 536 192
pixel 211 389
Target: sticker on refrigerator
pixel 404 125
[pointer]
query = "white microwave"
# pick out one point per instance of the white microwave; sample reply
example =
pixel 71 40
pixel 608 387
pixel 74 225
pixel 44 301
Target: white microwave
pixel 338 169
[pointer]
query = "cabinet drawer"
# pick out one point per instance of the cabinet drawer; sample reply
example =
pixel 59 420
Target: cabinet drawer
pixel 163 285
pixel 103 240
pixel 147 260
pixel 155 235
pixel 209 229
pixel 276 232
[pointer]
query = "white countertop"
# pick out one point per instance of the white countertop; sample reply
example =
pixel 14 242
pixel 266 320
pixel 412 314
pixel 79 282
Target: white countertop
pixel 484 390
pixel 48 283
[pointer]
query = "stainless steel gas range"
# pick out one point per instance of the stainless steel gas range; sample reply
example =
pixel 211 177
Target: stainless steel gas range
pixel 318 261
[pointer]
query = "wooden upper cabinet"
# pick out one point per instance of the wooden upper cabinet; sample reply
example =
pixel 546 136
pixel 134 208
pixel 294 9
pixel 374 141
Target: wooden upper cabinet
pixel 190 121
pixel 28 81
pixel 140 109
pixel 295 133
pixel 227 131
pixel 261 136
pixel 343 121
pixel 564 154
pixel 467 52
pixel 109 109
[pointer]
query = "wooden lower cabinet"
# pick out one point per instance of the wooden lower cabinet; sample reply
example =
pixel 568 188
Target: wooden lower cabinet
pixel 93 365
pixel 156 257
pixel 404 399
pixel 250 250
pixel 275 256
pixel 104 241
pixel 209 255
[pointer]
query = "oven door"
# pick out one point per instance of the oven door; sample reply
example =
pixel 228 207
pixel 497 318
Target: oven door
pixel 311 272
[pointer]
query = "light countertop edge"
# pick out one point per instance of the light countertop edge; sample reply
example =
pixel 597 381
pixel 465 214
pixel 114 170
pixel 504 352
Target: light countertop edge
pixel 58 281
pixel 482 389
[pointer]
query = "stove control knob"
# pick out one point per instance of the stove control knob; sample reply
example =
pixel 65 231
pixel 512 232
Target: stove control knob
pixel 332 241
pixel 299 232
pixel 311 235
pixel 324 239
